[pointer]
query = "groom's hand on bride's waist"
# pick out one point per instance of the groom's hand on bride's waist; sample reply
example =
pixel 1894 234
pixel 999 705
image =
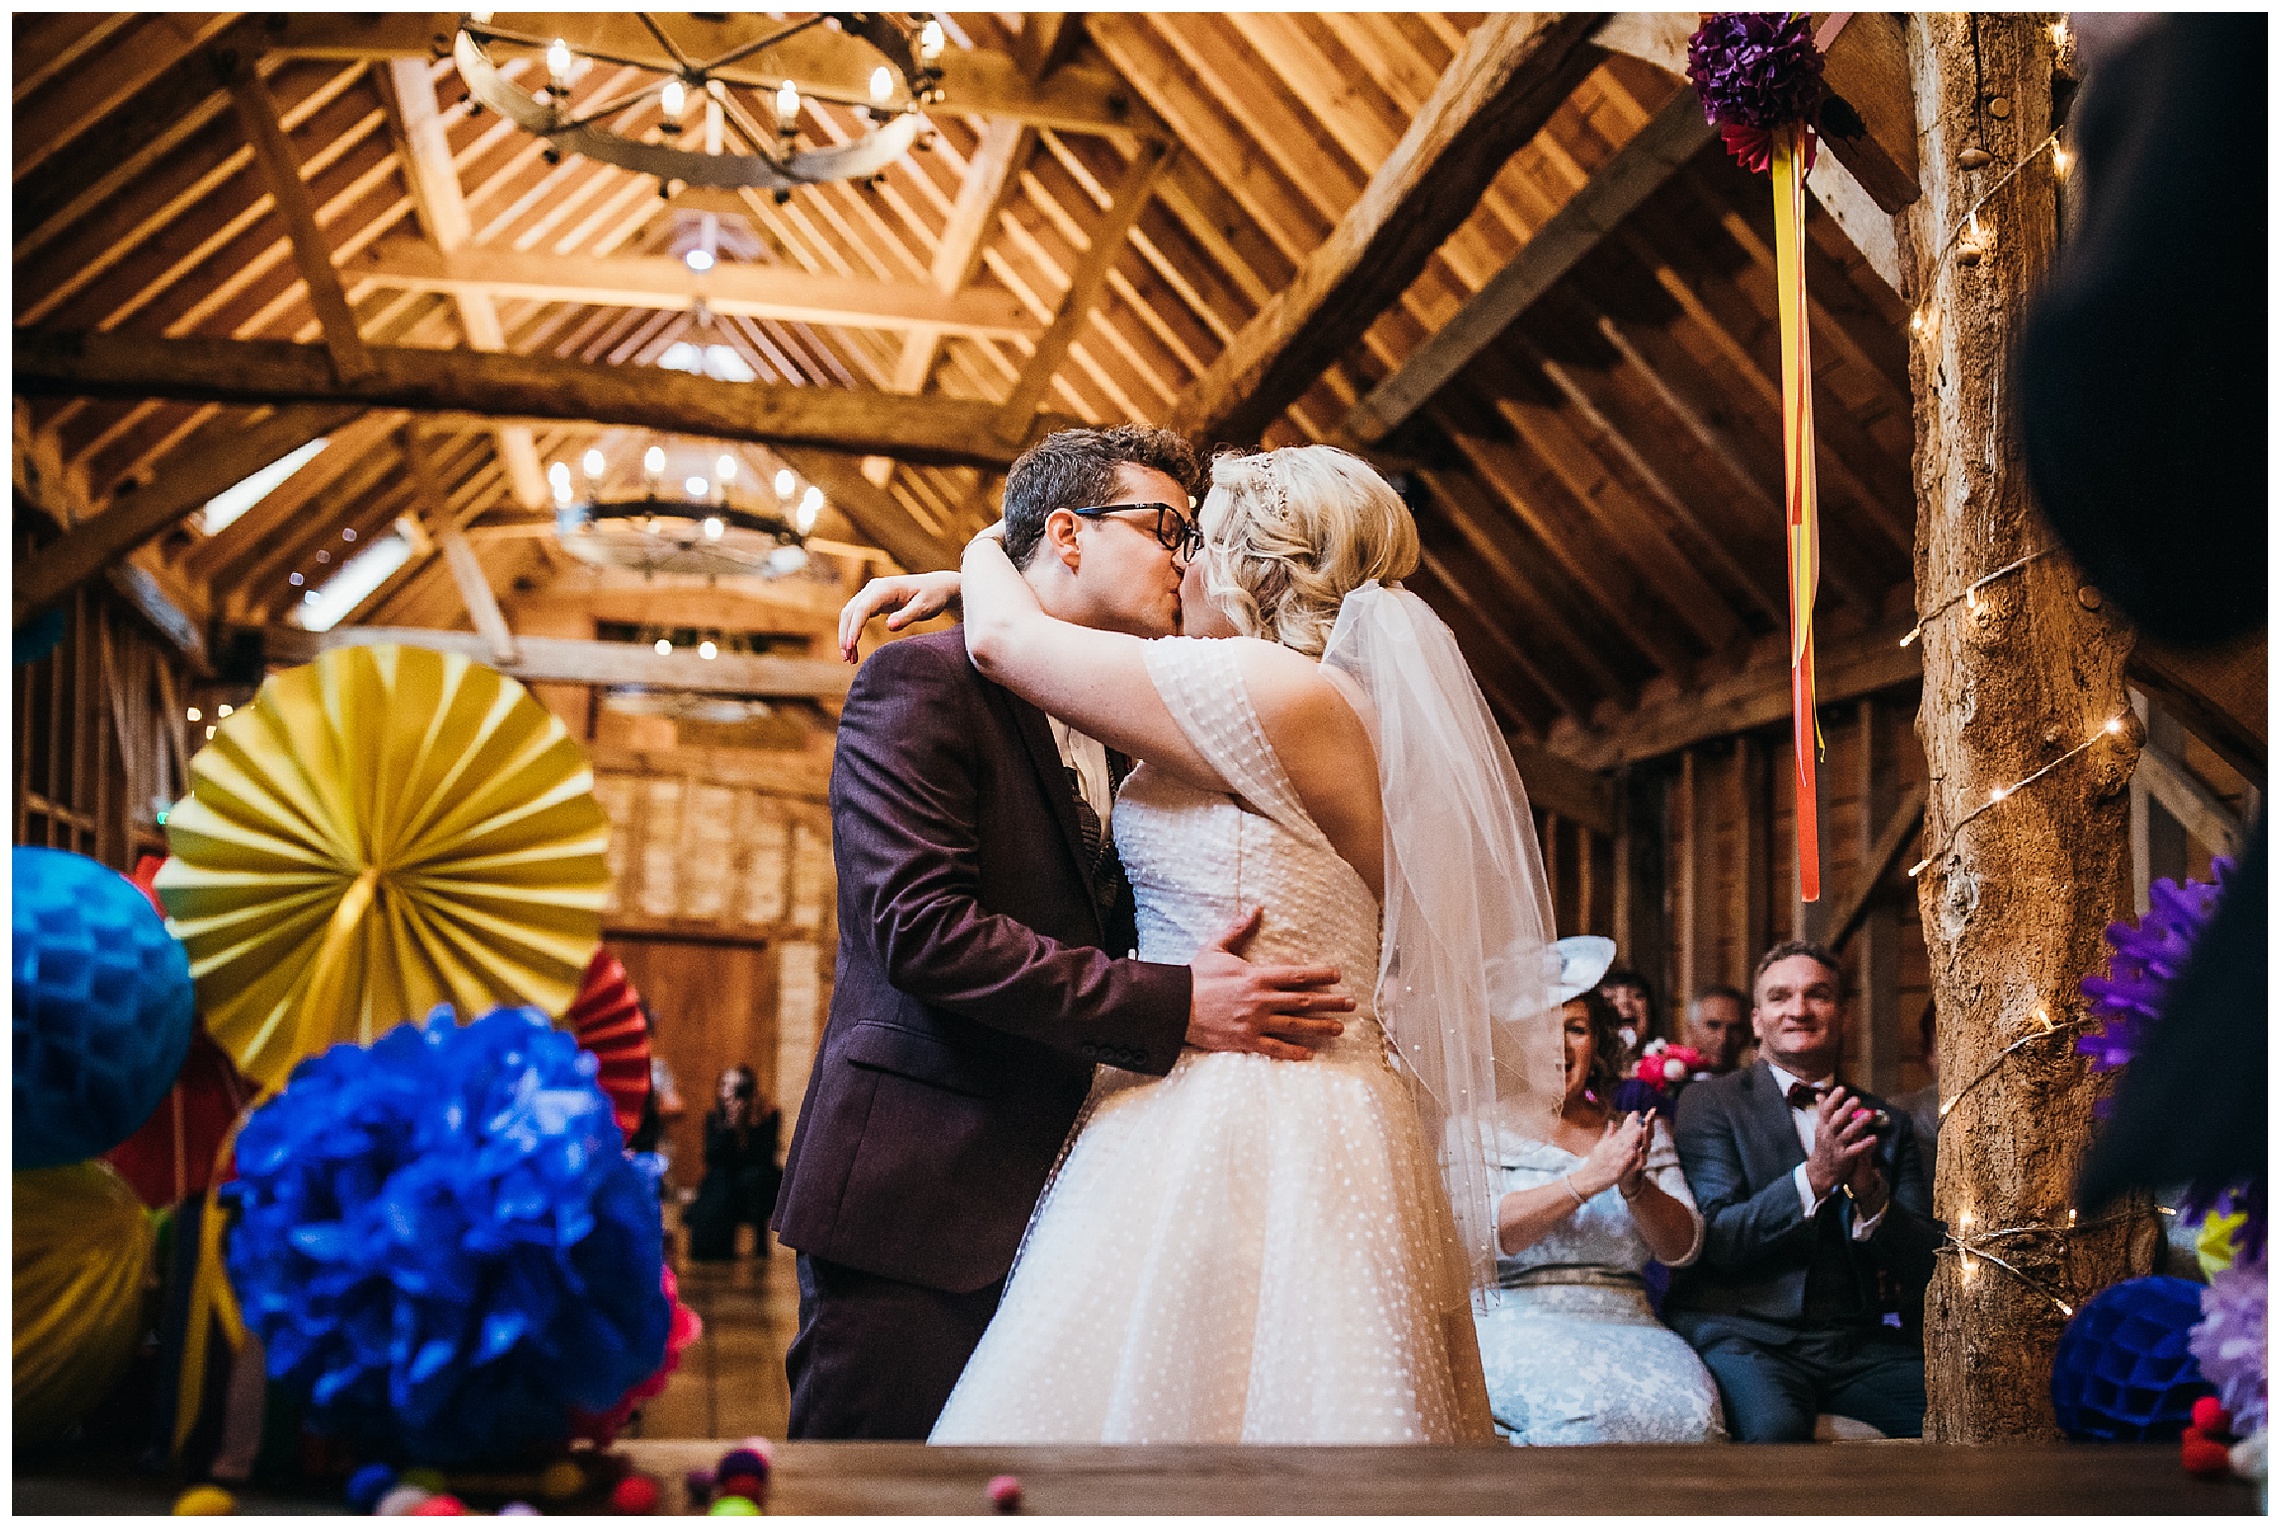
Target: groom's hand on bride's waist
pixel 1278 1011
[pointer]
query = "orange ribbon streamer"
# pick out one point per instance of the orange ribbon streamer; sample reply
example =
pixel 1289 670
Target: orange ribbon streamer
pixel 1791 147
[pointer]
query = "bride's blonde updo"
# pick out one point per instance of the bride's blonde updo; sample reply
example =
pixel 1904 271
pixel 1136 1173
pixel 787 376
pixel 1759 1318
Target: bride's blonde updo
pixel 1288 534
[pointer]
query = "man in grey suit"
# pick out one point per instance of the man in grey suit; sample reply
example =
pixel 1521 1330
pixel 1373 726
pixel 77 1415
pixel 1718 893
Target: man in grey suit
pixel 1817 1231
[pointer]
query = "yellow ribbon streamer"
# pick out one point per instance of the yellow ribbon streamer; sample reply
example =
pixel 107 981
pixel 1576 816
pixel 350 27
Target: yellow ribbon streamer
pixel 1802 512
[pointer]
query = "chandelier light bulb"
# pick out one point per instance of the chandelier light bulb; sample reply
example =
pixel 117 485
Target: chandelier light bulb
pixel 811 502
pixel 699 260
pixel 697 487
pixel 594 463
pixel 882 84
pixel 705 649
pixel 787 106
pixel 724 470
pixel 663 647
pixel 558 61
pixel 930 41
pixel 224 710
pixel 653 461
pixel 196 715
pixel 714 527
pixel 558 474
pixel 562 494
pixel 785 482
pixel 675 99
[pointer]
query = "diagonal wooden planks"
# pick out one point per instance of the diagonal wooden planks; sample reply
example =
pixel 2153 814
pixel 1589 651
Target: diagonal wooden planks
pixel 1514 71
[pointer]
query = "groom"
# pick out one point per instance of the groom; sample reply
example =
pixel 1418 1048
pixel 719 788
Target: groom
pixel 981 916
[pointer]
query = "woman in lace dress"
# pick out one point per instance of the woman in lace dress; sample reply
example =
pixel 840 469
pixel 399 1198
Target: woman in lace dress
pixel 1252 1249
pixel 1572 1350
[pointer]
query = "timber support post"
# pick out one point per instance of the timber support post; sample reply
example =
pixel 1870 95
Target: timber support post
pixel 2019 885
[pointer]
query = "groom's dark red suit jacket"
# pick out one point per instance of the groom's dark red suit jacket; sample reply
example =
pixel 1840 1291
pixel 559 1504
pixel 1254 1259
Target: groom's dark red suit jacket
pixel 976 986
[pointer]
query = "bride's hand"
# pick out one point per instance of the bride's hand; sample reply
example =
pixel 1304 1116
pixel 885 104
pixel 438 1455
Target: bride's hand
pixel 907 597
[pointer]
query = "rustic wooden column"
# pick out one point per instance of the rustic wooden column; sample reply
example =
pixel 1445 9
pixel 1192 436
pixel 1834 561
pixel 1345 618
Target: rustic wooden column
pixel 2014 909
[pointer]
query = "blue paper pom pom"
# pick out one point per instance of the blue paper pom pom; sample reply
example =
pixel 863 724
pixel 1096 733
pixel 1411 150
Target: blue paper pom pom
pixel 442 1246
pixel 103 1008
pixel 2123 1371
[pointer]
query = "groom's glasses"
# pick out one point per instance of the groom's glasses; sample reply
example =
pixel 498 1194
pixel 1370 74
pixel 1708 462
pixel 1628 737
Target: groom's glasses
pixel 1175 532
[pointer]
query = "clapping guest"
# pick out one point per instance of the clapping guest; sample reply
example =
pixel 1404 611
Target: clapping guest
pixel 1571 1349
pixel 1817 1224
pixel 1634 1004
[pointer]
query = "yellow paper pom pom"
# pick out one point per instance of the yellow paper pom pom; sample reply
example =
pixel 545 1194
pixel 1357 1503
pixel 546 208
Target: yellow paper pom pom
pixel 561 1480
pixel 83 1245
pixel 205 1501
pixel 733 1506
pixel 2214 1247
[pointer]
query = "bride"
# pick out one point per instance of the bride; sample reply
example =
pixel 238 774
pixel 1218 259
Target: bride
pixel 1251 1249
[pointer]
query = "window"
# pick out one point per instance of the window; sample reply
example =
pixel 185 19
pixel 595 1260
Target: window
pixel 323 608
pixel 223 508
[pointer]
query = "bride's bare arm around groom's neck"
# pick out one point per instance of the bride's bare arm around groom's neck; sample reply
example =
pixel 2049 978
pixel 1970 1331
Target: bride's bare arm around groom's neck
pixel 1098 682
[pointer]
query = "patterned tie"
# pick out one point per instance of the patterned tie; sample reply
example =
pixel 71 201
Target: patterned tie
pixel 1102 868
pixel 1807 1095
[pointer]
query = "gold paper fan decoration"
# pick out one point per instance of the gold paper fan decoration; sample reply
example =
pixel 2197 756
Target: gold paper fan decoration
pixel 382 830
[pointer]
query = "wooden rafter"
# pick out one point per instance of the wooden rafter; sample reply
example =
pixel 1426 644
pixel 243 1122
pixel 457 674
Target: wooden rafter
pixel 638 281
pixel 1108 237
pixel 219 456
pixel 569 660
pixel 442 206
pixel 1514 71
pixel 1644 163
pixel 214 559
pixel 106 78
pixel 257 112
pixel 873 512
pixel 931 429
pixel 475 593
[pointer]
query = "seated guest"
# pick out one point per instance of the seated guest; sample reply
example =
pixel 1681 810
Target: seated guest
pixel 1818 1237
pixel 741 1175
pixel 1717 1026
pixel 1634 1003
pixel 1923 1105
pixel 1571 1351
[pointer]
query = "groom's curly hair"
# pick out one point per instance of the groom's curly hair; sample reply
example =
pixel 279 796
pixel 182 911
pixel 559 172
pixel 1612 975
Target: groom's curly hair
pixel 1070 469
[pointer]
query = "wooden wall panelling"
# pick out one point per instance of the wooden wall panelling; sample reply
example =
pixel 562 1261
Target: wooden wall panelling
pixel 1877 1022
pixel 1748 809
pixel 715 1008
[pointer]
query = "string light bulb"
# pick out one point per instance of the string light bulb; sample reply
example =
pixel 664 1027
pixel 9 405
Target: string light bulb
pixel 696 487
pixel 2111 727
pixel 2060 162
pixel 653 461
pixel 785 482
pixel 715 527
pixel 931 41
pixel 787 108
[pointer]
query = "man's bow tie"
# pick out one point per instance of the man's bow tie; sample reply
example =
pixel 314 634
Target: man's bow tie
pixel 1807 1095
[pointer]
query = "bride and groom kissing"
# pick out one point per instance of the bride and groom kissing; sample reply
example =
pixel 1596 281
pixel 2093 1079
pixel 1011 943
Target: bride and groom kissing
pixel 1193 929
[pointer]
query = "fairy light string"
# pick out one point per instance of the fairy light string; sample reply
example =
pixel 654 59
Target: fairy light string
pixel 2003 793
pixel 1970 594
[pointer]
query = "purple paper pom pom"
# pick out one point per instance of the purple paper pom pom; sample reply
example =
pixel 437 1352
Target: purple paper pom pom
pixel 1756 68
pixel 2229 1342
pixel 2148 958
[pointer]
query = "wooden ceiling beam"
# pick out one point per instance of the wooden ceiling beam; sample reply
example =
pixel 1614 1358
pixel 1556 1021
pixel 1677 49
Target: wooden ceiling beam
pixel 1110 237
pixel 1514 72
pixel 1492 544
pixel 976 82
pixel 258 571
pixel 1758 696
pixel 1847 568
pixel 1867 64
pixel 1641 166
pixel 1488 651
pixel 112 76
pixel 650 281
pixel 991 171
pixel 570 660
pixel 1444 562
pixel 212 560
pixel 102 365
pixel 408 88
pixel 223 453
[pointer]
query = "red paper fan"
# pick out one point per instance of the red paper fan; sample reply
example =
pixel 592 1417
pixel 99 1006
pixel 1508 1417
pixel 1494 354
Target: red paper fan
pixel 173 1153
pixel 606 1016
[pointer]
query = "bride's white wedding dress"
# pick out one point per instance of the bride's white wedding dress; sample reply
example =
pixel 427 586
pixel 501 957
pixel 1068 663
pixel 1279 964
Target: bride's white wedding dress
pixel 1245 1250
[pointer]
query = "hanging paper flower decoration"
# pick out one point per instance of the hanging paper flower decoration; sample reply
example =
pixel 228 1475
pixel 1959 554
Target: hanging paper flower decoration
pixel 2148 959
pixel 1757 71
pixel 607 1019
pixel 687 1328
pixel 2229 1342
pixel 443 1246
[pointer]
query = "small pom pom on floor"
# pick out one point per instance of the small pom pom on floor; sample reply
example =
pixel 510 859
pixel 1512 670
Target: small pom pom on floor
pixel 561 1480
pixel 635 1496
pixel 439 1506
pixel 733 1506
pixel 2209 1416
pixel 1005 1493
pixel 368 1485
pixel 205 1501
pixel 399 1500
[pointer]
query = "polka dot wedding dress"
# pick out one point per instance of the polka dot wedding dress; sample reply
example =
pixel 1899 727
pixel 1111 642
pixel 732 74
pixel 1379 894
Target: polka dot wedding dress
pixel 1246 1250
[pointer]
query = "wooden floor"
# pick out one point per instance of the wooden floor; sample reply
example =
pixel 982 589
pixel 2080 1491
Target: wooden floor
pixel 731 1383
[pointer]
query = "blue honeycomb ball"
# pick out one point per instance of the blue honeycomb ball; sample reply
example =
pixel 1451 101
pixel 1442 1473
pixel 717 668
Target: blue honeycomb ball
pixel 2123 1372
pixel 103 1008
